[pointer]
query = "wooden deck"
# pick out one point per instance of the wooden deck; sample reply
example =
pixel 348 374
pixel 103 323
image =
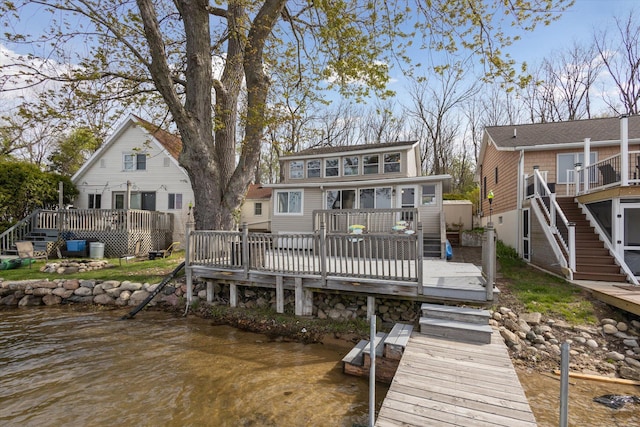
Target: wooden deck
pixel 620 295
pixel 446 383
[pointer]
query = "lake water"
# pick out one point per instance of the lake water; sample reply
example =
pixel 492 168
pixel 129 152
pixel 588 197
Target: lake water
pixel 59 366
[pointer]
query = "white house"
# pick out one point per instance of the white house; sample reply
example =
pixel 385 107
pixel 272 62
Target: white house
pixel 137 168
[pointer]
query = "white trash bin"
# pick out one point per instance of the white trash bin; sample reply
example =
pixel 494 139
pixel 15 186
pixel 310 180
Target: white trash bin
pixel 96 250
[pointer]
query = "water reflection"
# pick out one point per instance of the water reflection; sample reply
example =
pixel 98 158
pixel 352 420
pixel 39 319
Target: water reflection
pixel 62 367
pixel 543 393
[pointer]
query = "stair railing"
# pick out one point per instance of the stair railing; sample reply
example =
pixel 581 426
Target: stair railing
pixel 556 220
pixel 17 232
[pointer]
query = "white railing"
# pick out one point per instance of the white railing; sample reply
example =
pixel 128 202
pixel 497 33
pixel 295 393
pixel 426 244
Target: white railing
pixel 556 220
pixel 379 256
pixel 16 233
pixel 374 220
pixel 599 175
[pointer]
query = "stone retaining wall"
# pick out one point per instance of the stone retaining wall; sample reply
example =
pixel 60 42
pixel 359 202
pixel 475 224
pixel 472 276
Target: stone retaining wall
pixel 114 293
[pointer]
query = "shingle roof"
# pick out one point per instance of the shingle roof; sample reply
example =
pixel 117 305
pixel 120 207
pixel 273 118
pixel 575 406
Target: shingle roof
pixel 530 135
pixel 257 191
pixel 171 142
pixel 347 148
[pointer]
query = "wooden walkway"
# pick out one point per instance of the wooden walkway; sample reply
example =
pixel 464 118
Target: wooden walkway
pixel 447 383
pixel 621 295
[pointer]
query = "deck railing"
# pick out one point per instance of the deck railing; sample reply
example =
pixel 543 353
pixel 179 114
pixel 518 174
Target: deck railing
pixel 102 220
pixel 608 172
pixel 16 233
pixel 374 220
pixel 380 256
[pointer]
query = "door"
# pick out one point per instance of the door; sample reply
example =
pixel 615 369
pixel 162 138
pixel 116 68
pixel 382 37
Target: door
pixel 149 201
pixel 407 199
pixel 631 235
pixel 526 232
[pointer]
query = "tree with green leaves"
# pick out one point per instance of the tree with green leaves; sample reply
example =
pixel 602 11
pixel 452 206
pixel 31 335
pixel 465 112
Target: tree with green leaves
pixel 150 50
pixel 25 187
pixel 73 151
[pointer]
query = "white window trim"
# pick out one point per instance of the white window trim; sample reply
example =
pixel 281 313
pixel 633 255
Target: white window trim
pixel 301 171
pixel 364 166
pixel 385 163
pixel 575 155
pixel 135 162
pixel 276 204
pixel 375 200
pixel 324 170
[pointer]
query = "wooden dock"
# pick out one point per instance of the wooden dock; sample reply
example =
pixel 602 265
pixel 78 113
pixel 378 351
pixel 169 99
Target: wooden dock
pixel 620 295
pixel 448 383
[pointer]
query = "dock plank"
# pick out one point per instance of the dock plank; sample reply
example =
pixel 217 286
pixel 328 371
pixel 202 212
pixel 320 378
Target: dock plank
pixel 445 383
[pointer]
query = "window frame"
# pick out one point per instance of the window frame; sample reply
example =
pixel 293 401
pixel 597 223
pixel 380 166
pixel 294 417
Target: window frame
pixel 336 167
pixel 578 157
pixel 350 165
pixel 257 208
pixel 317 174
pixel 136 162
pixel 288 212
pixel 434 200
pixel 95 201
pixel 366 165
pixel 389 166
pixel 296 169
pixel 176 203
pixel 376 192
pixel 341 198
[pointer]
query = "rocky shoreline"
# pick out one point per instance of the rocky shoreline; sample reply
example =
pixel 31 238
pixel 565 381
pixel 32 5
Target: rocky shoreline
pixel 610 349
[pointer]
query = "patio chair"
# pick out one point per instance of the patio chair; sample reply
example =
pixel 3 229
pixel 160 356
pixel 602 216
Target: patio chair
pixel 164 253
pixel 27 253
pixel 609 174
pixel 134 255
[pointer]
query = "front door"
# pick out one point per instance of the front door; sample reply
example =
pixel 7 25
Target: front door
pixel 407 199
pixel 526 230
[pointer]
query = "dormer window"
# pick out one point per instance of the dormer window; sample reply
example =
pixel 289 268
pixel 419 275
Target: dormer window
pixel 332 167
pixel 296 169
pixel 313 169
pixel 370 164
pixel 350 165
pixel 391 162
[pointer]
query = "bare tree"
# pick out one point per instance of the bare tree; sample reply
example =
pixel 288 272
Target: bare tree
pixel 381 124
pixel 620 55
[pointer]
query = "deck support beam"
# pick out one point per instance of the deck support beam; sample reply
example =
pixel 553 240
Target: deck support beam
pixel 279 294
pixel 209 291
pixel 304 299
pixel 233 295
pixel 371 306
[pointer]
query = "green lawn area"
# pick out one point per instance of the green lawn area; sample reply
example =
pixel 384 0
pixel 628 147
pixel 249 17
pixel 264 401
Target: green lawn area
pixel 140 270
pixel 542 292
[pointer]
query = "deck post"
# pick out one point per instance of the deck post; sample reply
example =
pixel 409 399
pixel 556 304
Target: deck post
pixel 624 151
pixel 572 246
pixel 279 294
pixel 371 307
pixel 419 258
pixel 187 257
pixel 489 251
pixel 245 249
pixel 304 299
pixel 233 295
pixel 323 254
pixel 209 291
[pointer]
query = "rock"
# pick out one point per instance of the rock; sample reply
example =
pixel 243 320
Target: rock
pixel 88 283
pixel 608 322
pixel 130 286
pixel 29 300
pixel 114 292
pixel 339 306
pixel 509 337
pixel 46 284
pixel 67 270
pixel 51 299
pixel 40 292
pixel 202 294
pixel 629 373
pixel 635 324
pixel 62 292
pixel 496 316
pixel 138 296
pixel 334 314
pixel 81 299
pixel 110 284
pixel 104 299
pixel 382 309
pixel 83 292
pixel 631 342
pixel 322 314
pixel 609 329
pixel 614 355
pixel 71 284
pixel 172 300
pixel 511 325
pixel 97 290
pixel 591 344
pixel 622 327
pixel 531 318
pixel 523 325
pixel 632 362
pixel 580 340
pixel 504 310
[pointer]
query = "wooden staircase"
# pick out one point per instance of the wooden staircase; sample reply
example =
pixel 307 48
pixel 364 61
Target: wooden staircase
pixel 465 324
pixel 593 260
pixel 431 246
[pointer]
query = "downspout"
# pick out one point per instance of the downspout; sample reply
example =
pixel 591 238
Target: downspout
pixel 519 196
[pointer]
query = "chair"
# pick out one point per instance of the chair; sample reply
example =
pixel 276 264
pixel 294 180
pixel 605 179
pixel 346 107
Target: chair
pixel 609 175
pixel 134 255
pixel 163 253
pixel 26 252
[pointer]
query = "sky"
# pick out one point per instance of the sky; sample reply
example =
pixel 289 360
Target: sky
pixel 577 24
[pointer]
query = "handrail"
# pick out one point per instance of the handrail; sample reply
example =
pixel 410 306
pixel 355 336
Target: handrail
pixel 566 236
pixel 17 232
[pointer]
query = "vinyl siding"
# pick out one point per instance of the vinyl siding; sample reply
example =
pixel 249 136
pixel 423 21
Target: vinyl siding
pixel 311 200
pixel 506 189
pixel 256 221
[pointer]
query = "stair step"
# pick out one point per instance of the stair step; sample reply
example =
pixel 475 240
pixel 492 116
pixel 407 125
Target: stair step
pixel 396 341
pixel 460 314
pixel 604 259
pixel 457 331
pixel 598 268
pixel 597 244
pixel 356 356
pixel 603 277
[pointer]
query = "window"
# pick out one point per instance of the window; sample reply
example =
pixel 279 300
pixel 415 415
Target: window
pixel 392 162
pixel 331 167
pixel 175 201
pixel 296 169
pixel 484 187
pixel 375 198
pixel 567 161
pixel 341 199
pixel 350 165
pixel 257 208
pixel 133 162
pixel 496 174
pixel 118 200
pixel 313 169
pixel 428 195
pixel 370 164
pixel 289 202
pixel 95 201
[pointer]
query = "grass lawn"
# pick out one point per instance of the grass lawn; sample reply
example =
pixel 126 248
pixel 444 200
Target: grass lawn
pixel 140 270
